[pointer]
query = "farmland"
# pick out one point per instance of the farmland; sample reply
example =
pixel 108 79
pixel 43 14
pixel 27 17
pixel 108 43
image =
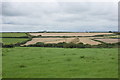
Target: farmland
pixel 109 40
pixel 69 34
pixel 13 38
pixel 13 34
pixel 8 41
pixel 85 40
pixel 41 62
pixel 36 62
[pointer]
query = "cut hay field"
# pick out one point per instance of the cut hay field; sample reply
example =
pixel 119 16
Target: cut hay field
pixel 36 62
pixel 109 40
pixel 69 34
pixel 85 40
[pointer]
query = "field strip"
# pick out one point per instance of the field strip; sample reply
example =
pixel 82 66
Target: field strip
pixel 68 34
pixel 109 40
pixel 58 40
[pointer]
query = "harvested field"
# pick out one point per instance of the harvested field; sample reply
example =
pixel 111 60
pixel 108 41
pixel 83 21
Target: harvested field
pixel 89 41
pixel 109 40
pixel 86 40
pixel 68 34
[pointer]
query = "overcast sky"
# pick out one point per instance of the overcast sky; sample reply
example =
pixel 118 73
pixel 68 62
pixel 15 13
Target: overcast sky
pixel 59 16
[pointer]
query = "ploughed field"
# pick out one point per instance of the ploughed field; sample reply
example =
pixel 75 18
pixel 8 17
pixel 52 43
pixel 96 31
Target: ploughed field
pixel 37 62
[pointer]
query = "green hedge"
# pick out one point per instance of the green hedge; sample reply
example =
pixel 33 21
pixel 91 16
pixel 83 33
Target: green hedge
pixel 72 45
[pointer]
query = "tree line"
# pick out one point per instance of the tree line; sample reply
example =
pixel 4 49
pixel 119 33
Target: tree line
pixel 73 45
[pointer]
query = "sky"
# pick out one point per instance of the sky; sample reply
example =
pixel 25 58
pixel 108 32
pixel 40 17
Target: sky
pixel 59 16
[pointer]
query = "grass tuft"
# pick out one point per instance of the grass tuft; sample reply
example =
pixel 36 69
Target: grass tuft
pixel 73 54
pixel 82 56
pixel 22 66
pixel 68 59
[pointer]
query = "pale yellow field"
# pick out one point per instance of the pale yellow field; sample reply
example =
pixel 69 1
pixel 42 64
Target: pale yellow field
pixel 109 40
pixel 68 34
pixel 85 40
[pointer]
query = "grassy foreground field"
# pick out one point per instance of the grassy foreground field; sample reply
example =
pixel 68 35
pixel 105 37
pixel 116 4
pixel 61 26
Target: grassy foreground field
pixel 36 62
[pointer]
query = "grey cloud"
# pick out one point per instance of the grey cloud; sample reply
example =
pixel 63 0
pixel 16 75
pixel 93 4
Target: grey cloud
pixel 59 16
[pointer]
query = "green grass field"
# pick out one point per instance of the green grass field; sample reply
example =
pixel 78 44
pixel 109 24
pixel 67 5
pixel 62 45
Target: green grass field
pixel 12 34
pixel 36 62
pixel 7 41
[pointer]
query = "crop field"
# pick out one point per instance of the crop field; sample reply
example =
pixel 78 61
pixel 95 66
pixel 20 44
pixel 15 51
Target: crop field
pixel 85 40
pixel 12 34
pixel 11 38
pixel 7 41
pixel 109 40
pixel 36 62
pixel 68 34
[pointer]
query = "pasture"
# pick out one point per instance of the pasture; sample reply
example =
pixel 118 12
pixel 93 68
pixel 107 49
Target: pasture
pixel 15 34
pixel 13 38
pixel 40 62
pixel 8 41
pixel 36 62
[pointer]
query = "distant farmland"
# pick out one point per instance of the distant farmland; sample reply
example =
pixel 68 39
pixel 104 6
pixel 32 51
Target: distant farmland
pixel 8 41
pixel 13 38
pixel 109 40
pixel 86 38
pixel 58 40
pixel 68 34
